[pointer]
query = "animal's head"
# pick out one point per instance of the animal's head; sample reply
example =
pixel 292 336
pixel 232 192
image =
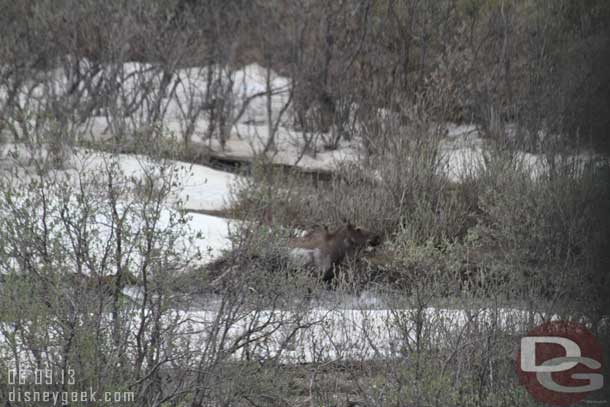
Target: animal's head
pixel 358 236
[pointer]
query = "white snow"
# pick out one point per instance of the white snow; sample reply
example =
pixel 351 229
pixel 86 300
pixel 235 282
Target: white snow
pixel 248 87
pixel 214 233
pixel 245 90
pixel 318 335
pixel 198 187
pixel 461 163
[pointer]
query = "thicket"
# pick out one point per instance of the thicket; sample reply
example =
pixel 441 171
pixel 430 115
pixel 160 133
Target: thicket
pixel 531 75
pixel 537 64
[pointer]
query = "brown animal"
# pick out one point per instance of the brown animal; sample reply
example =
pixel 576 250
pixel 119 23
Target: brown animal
pixel 324 250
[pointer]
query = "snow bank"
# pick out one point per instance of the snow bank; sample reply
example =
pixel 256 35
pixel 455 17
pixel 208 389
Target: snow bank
pixel 321 335
pixel 244 92
pixel 326 334
pixel 197 186
pixel 214 235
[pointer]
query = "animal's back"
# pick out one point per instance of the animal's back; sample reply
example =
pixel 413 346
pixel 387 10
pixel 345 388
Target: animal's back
pixel 312 240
